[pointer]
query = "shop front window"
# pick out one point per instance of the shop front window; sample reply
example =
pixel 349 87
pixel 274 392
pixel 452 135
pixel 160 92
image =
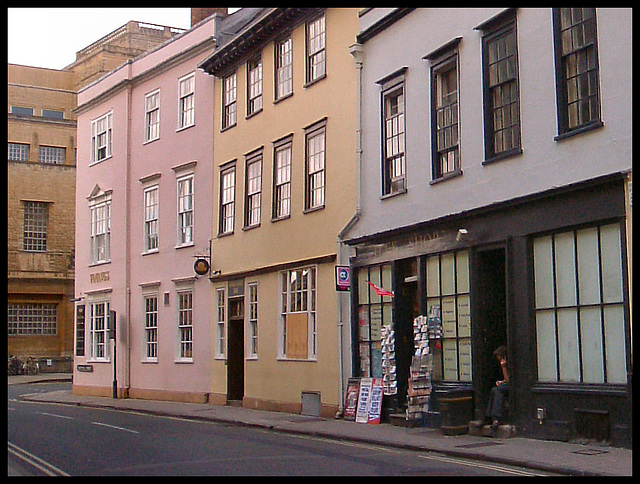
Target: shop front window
pixel 448 315
pixel 374 312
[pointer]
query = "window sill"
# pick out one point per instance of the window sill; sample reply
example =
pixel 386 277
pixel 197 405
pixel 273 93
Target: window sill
pixel 311 83
pixel 184 361
pixel 387 196
pixel 297 360
pixel 149 141
pixel 503 156
pixel 99 263
pixel 182 246
pixel 313 209
pixel 227 128
pixel 149 252
pixel 446 177
pixel 224 234
pixel 283 217
pixel 255 113
pixel 150 361
pixel 250 227
pixel 182 128
pixel 581 130
pixel 280 99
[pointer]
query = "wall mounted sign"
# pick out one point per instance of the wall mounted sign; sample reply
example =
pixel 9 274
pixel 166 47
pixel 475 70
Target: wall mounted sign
pixel 343 278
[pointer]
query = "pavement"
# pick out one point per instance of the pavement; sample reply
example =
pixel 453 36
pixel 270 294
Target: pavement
pixel 552 456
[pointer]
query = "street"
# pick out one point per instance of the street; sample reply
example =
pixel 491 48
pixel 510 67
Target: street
pixel 50 439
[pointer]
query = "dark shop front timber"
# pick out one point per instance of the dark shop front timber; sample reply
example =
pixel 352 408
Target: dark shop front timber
pixel 544 275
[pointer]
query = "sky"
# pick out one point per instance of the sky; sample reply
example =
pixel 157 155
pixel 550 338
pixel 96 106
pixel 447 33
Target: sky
pixel 50 37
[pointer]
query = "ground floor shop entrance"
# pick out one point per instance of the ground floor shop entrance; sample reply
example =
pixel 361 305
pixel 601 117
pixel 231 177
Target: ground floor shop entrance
pixel 545 276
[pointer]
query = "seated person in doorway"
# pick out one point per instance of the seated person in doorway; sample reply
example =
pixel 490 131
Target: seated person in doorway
pixel 500 391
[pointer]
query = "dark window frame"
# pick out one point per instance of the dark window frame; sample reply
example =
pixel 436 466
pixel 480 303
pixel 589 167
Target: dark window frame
pixel 500 28
pixel 562 95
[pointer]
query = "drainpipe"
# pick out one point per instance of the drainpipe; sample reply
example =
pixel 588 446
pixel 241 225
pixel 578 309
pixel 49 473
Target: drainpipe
pixel 356 51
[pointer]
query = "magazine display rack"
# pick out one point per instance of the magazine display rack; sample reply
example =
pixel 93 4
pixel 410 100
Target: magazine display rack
pixel 419 389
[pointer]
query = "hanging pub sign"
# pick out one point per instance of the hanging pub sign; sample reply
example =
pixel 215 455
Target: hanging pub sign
pixel 343 278
pixel 201 266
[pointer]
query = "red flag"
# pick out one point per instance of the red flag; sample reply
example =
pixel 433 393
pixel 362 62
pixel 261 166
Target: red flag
pixel 380 291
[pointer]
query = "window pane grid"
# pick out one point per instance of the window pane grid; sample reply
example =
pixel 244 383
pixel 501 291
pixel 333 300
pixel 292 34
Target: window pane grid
pixel 52 155
pixel 284 70
pixel 185 210
pixel 316 49
pixel 151 326
pixel 282 180
pixel 255 86
pixel 18 152
pixel 315 169
pixel 446 114
pixel 32 319
pixel 36 219
pixel 580 332
pixel 254 192
pixel 185 324
pixel 576 29
pixel 186 105
pixel 151 218
pixel 227 200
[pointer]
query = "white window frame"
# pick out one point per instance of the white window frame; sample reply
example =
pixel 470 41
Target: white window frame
pixel 185 210
pixel 184 325
pixel 283 151
pixel 220 349
pixel 19 151
pixel 151 317
pixel 252 340
pixel 99 342
pixel 254 86
pixel 152 116
pixel 316 34
pixel 253 191
pixel 227 199
pixel 100 229
pixel 284 68
pixel 36 224
pixel 52 155
pixel 229 101
pixel 315 166
pixel 101 138
pixel 186 101
pixel 151 217
pixel 301 300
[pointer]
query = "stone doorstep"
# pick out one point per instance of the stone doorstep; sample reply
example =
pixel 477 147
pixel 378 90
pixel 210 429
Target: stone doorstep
pixel 504 431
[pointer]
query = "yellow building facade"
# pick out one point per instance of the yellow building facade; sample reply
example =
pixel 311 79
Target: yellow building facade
pixel 284 187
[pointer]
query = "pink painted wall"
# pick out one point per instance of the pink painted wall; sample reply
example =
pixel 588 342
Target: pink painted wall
pixel 131 271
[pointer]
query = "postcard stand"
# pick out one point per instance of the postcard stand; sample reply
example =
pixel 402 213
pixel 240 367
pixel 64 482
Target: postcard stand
pixel 419 389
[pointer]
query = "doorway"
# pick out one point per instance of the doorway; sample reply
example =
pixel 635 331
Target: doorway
pixel 235 351
pixel 491 321
pixel 406 309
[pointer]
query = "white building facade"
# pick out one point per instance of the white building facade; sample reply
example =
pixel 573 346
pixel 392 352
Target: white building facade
pixel 495 195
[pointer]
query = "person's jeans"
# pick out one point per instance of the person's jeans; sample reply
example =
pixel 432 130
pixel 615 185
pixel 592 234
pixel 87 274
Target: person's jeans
pixel 496 401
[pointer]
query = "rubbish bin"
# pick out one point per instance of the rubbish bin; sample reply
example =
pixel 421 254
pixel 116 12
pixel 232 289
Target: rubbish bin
pixel 456 410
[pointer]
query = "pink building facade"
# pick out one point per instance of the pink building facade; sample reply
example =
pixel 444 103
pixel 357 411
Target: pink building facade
pixel 144 185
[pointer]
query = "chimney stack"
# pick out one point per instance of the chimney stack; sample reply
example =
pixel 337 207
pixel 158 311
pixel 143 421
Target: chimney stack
pixel 199 14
